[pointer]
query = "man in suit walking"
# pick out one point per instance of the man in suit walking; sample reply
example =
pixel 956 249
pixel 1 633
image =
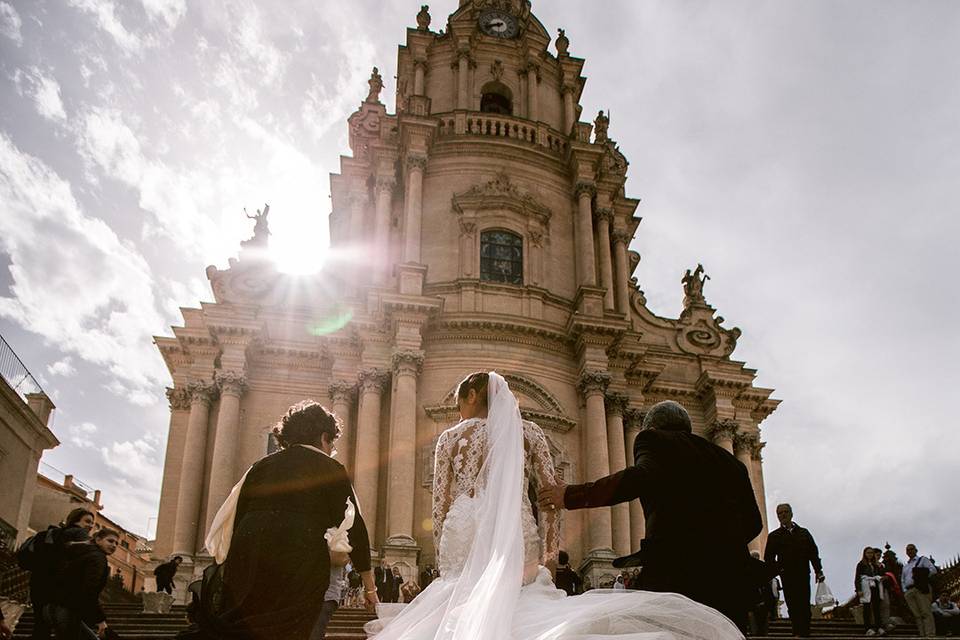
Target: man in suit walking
pixel 699 507
pixel 790 551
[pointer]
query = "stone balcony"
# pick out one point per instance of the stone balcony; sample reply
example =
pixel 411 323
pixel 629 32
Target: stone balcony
pixel 492 125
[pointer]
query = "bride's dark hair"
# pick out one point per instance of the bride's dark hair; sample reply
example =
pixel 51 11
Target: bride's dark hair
pixel 476 381
pixel 303 424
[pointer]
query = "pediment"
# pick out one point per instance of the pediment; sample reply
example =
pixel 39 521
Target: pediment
pixel 499 194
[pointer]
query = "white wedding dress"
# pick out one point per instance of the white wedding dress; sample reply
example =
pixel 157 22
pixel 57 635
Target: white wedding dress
pixel 493 585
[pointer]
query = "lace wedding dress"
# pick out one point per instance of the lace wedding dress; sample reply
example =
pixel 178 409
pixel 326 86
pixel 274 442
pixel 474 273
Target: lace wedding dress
pixel 491 552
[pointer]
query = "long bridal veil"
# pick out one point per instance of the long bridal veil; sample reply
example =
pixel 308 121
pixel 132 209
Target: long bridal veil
pixel 487 601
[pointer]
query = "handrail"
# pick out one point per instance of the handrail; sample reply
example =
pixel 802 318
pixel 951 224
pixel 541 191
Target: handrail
pixel 15 373
pixel 476 123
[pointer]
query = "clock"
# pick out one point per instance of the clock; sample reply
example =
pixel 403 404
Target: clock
pixel 499 24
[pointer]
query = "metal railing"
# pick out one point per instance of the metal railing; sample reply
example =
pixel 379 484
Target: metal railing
pixel 15 373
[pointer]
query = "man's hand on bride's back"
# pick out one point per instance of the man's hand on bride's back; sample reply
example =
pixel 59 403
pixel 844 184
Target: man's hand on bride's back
pixel 551 496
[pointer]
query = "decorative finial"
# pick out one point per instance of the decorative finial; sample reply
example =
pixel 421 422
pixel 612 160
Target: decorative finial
pixel 423 18
pixel 376 86
pixel 693 287
pixel 600 126
pixel 562 43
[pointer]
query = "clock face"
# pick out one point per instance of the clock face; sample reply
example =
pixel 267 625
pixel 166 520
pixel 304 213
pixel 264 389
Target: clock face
pixel 499 24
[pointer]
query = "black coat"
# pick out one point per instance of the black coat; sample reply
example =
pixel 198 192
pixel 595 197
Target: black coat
pixel 792 552
pixel 165 573
pixel 83 578
pixel 273 581
pixel 700 513
pixel 44 578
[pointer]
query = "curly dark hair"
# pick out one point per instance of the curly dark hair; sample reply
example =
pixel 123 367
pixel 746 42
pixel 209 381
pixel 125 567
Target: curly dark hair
pixel 304 422
pixel 478 382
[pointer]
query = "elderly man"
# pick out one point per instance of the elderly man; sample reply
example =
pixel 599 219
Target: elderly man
pixel 791 551
pixel 700 512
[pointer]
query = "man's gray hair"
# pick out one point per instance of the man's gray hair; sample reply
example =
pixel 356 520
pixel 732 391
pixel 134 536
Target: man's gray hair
pixel 667 416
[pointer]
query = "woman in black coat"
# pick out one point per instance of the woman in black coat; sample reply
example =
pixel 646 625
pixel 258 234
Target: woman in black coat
pixel 272 583
pixel 867 567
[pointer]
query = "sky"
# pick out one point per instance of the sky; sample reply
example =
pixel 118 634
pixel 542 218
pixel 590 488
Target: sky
pixel 805 151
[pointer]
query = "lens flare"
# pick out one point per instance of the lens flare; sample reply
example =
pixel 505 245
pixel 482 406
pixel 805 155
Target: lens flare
pixel 332 322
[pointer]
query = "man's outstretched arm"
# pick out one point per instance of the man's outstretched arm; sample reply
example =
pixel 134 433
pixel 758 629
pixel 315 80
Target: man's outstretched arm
pixel 622 486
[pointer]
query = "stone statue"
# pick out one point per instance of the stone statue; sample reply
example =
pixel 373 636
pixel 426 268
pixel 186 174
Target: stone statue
pixel 423 18
pixel 562 43
pixel 261 226
pixel 600 126
pixel 376 86
pixel 693 286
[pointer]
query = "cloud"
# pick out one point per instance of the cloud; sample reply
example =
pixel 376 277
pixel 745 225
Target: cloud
pixel 62 367
pixel 44 90
pixel 105 13
pixel 75 283
pixel 170 11
pixel 81 435
pixel 10 23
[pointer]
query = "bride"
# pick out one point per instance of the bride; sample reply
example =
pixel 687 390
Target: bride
pixel 493 584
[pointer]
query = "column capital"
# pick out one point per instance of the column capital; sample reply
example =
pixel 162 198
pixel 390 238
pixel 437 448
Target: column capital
pixel 420 63
pixel 616 403
pixel 583 188
pixel 468 227
pixel 407 362
pixel 385 184
pixel 372 380
pixel 179 398
pixel 622 236
pixel 536 238
pixel 722 430
pixel 531 66
pixel 342 390
pixel 567 88
pixel 756 450
pixel 232 383
pixel 603 213
pixel 633 419
pixel 416 161
pixel 202 392
pixel 593 382
pixel 745 443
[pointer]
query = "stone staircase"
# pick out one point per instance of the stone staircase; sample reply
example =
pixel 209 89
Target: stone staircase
pixel 347 624
pixel 131 623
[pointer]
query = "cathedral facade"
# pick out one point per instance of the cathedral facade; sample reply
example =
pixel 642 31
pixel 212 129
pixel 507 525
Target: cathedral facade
pixel 489 228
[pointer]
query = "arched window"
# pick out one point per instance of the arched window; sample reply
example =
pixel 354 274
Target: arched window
pixel 496 97
pixel 501 257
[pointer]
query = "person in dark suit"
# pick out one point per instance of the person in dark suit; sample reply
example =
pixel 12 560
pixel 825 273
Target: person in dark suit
pixel 791 551
pixel 566 578
pixel 277 568
pixel 700 512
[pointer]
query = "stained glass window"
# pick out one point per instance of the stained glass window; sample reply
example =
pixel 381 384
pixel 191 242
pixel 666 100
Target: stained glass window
pixel 501 257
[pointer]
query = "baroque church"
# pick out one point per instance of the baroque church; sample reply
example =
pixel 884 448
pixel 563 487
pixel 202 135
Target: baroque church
pixel 494 229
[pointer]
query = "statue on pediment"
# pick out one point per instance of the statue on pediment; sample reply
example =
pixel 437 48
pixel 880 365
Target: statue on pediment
pixel 423 18
pixel 376 86
pixel 261 227
pixel 693 286
pixel 601 126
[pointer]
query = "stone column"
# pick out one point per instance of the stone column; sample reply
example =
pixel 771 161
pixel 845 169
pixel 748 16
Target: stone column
pixel 179 399
pixel 223 469
pixel 463 69
pixel 632 419
pixel 419 70
pixel 621 240
pixel 341 395
pixel 403 453
pixel 533 91
pixel 367 460
pixel 569 114
pixel 381 230
pixel 593 385
pixel 413 213
pixel 586 260
pixel 191 473
pixel 604 218
pixel 756 457
pixel 744 444
pixel 722 433
pixel 616 404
